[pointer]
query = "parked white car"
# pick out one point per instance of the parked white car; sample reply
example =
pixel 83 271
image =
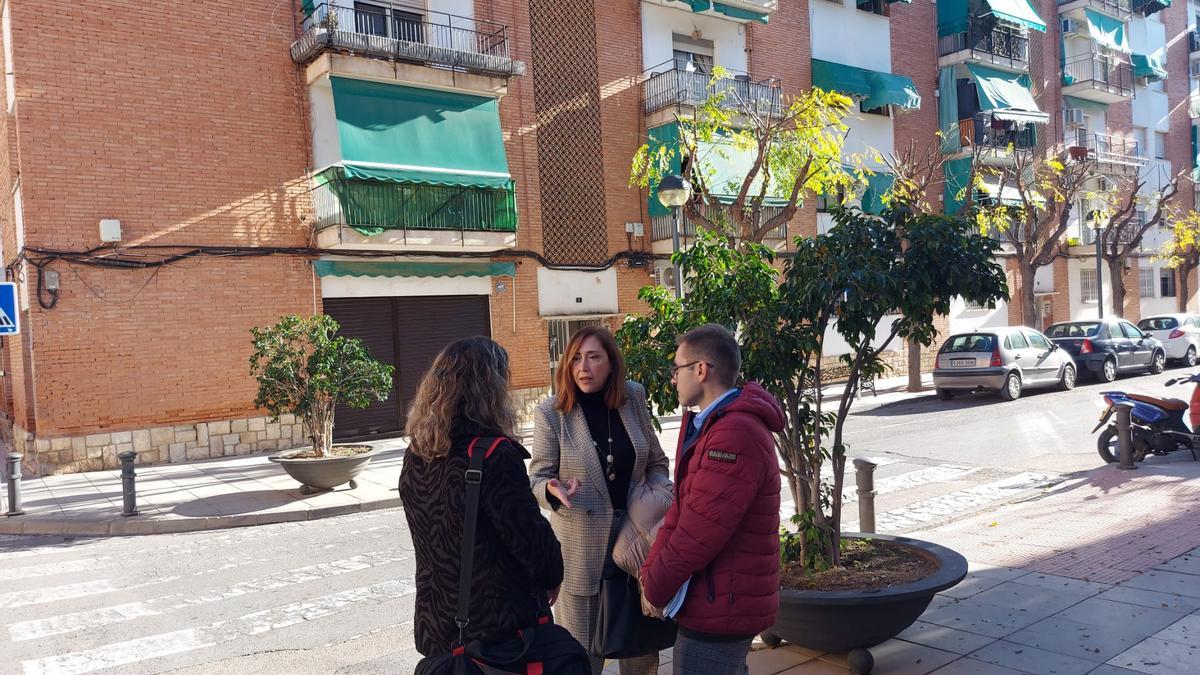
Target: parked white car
pixel 1179 333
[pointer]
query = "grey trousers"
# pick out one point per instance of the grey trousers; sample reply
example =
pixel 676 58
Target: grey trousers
pixel 577 613
pixel 698 657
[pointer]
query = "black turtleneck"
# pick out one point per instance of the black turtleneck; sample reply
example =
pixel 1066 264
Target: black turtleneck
pixel 600 419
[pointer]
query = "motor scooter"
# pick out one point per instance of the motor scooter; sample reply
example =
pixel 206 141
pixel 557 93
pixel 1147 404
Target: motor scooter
pixel 1157 424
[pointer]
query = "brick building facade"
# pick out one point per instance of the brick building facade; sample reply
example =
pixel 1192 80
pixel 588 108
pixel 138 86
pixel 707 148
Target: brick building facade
pixel 251 181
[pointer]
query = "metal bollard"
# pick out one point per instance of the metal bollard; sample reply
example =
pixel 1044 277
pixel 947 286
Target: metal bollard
pixel 14 485
pixel 128 489
pixel 1125 436
pixel 864 478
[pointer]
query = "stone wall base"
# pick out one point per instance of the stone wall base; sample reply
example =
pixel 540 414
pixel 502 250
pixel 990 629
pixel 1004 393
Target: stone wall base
pixel 157 445
pixel 526 400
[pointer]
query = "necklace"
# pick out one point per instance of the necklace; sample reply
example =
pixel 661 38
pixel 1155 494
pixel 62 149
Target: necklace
pixel 611 473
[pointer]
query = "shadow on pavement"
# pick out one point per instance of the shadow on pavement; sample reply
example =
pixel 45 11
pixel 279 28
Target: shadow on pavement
pixel 237 503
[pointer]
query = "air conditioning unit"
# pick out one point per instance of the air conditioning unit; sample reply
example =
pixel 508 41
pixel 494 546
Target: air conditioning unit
pixel 664 273
pixel 1073 118
pixel 1070 27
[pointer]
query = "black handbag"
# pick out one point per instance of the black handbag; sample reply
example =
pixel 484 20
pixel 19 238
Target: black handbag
pixel 621 630
pixel 542 648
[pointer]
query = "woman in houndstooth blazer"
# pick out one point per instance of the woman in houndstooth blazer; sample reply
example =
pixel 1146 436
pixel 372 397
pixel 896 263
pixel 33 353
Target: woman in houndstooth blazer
pixel 592 444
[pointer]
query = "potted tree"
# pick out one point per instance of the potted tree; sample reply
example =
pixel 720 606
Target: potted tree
pixel 871 280
pixel 304 368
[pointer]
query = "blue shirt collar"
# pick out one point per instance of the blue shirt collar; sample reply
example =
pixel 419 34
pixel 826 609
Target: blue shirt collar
pixel 698 420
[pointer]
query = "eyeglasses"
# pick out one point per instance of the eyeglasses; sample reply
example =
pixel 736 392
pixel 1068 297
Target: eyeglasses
pixel 675 369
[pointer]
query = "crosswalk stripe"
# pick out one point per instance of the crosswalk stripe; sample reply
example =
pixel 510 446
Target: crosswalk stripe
pixel 37 596
pixel 176 642
pixel 903 481
pixel 64 567
pixel 104 616
pixel 944 506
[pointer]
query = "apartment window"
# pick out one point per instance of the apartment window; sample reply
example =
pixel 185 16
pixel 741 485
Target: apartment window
pixel 692 54
pixel 974 305
pixel 370 19
pixel 1145 283
pixel 879 7
pixel 1087 285
pixel 882 111
pixel 826 203
pixel 1166 282
pixel 1160 145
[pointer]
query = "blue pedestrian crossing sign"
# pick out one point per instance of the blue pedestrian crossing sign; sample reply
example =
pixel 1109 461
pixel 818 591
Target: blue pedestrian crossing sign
pixel 9 319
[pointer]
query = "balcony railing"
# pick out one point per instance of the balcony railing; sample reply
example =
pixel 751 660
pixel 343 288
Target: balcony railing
pixel 1193 41
pixel 1110 150
pixel 431 38
pixel 1100 72
pixel 1122 9
pixel 992 44
pixel 672 84
pixel 368 205
pixel 662 226
pixel 983 130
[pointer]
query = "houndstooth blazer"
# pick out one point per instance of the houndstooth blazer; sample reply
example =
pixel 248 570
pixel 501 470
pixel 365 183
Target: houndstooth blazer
pixel 562 449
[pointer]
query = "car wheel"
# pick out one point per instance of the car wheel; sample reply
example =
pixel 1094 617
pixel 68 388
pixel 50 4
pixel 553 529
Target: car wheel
pixel 1011 390
pixel 944 394
pixel 1068 378
pixel 1108 371
pixel 1189 359
pixel 1157 363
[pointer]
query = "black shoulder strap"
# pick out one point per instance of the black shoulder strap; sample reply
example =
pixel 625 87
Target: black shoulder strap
pixel 473 476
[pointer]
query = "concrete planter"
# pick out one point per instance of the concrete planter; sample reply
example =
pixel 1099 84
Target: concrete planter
pixel 325 473
pixel 851 621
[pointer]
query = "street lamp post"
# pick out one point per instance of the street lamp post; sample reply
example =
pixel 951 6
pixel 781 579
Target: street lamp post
pixel 1098 223
pixel 673 192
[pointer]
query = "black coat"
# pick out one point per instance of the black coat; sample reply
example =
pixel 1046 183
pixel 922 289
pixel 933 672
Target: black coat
pixel 517 557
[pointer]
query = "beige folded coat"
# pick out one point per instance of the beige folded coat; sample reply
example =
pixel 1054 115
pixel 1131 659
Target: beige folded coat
pixel 647 506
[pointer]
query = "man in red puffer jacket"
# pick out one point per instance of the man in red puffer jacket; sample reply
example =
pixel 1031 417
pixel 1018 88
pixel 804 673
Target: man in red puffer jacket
pixel 721 535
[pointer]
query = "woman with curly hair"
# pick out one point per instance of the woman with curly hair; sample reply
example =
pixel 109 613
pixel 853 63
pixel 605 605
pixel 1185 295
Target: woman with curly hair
pixel 518 561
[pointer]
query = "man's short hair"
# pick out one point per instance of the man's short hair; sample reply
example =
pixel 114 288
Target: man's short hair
pixel 716 346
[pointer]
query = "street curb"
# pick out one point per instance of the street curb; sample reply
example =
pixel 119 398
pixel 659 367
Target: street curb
pixel 143 524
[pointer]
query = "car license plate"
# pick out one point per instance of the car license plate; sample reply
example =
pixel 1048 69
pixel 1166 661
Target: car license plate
pixel 960 363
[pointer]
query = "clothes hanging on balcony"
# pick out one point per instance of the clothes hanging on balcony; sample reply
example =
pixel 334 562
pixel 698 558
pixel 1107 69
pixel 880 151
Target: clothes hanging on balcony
pixel 1107 31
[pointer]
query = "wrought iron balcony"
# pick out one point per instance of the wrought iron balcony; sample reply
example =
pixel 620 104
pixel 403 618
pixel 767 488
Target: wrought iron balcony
pixel 419 36
pixel 983 130
pixel 672 84
pixel 1108 78
pixel 1110 153
pixel 1122 9
pixel 987 43
pixel 662 226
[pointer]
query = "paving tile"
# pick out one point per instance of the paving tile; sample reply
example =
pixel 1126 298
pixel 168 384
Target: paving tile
pixel 900 657
pixel 1185 631
pixel 1139 596
pixel 774 660
pixel 1019 596
pixel 981 577
pixel 941 637
pixel 1188 563
pixel 1167 582
pixel 816 667
pixel 1032 660
pixel 1112 670
pixel 1075 639
pixel 981 618
pixel 1119 616
pixel 970 666
pixel 1053 582
pixel 1159 657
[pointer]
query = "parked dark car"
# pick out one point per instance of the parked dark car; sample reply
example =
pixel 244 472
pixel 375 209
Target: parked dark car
pixel 1106 347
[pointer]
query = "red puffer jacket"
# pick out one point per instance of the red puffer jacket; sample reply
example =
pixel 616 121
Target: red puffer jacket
pixel 723 529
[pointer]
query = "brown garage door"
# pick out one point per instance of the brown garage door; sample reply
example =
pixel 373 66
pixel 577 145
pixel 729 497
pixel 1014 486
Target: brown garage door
pixel 406 332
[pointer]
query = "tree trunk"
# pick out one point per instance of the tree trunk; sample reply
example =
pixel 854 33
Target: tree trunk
pixel 914 367
pixel 1029 316
pixel 1116 279
pixel 1183 290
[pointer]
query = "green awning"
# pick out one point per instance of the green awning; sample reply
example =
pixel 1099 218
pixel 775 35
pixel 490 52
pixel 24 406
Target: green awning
pixel 1084 104
pixel 957 172
pixel 728 10
pixel 1000 90
pixel 408 134
pixel 889 89
pixel 878 185
pixel 873 87
pixel 353 268
pixel 1148 7
pixel 1148 66
pixel 1017 11
pixel 953 15
pixel 308 7
pixel 723 164
pixel 1106 30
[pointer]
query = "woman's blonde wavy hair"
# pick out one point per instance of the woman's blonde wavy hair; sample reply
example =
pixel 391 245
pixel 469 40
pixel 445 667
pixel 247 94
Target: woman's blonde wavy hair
pixel 467 385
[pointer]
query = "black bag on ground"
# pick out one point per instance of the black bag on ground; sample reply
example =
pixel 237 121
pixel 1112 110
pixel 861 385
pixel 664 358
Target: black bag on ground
pixel 542 649
pixel 621 630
